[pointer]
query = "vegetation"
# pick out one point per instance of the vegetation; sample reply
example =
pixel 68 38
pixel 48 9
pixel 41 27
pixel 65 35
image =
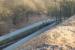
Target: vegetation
pixel 13 10
pixel 54 8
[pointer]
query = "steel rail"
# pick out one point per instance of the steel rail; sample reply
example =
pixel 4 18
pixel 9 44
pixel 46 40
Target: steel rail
pixel 26 39
pixel 21 33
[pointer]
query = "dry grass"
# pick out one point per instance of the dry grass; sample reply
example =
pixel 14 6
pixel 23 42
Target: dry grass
pixel 7 7
pixel 15 10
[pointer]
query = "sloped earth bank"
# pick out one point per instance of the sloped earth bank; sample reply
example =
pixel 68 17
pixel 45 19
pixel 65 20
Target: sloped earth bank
pixel 7 25
pixel 62 35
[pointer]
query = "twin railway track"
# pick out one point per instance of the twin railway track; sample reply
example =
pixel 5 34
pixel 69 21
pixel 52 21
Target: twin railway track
pixel 21 36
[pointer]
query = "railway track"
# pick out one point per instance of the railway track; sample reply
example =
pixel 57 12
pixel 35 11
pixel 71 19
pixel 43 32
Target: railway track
pixel 21 36
pixel 13 37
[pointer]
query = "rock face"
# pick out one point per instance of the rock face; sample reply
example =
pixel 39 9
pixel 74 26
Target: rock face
pixel 62 35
